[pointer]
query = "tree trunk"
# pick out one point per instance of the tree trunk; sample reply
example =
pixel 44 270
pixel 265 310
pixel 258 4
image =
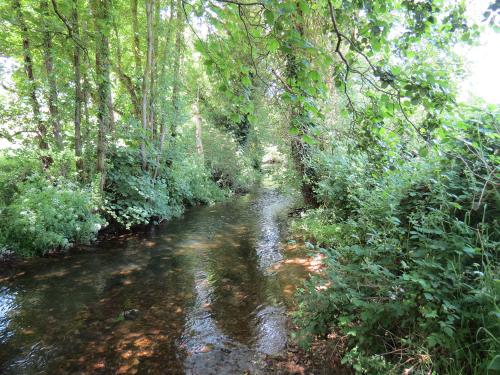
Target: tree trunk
pixel 137 45
pixel 153 98
pixel 163 83
pixel 176 68
pixel 197 122
pixel 111 128
pixel 48 61
pixel 87 88
pixel 146 79
pixel 28 69
pixel 125 79
pixel 78 92
pixel 300 150
pixel 102 63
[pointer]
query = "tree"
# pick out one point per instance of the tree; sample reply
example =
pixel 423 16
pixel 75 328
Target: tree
pixel 101 13
pixel 78 89
pixel 49 70
pixel 33 87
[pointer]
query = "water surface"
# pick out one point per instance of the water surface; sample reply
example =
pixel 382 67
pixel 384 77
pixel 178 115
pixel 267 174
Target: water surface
pixel 204 294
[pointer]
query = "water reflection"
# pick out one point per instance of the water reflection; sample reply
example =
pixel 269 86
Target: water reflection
pixel 207 290
pixel 268 207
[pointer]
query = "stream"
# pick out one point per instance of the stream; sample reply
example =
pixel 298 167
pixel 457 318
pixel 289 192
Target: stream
pixel 207 293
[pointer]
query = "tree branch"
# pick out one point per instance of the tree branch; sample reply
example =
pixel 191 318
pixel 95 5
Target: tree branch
pixel 68 26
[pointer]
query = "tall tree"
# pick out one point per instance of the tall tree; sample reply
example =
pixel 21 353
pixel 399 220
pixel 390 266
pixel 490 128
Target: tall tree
pixel 101 9
pixel 78 89
pixel 299 118
pixel 146 80
pixel 48 61
pixel 153 97
pixel 33 87
pixel 197 123
pixel 136 38
pixel 162 82
pixel 176 67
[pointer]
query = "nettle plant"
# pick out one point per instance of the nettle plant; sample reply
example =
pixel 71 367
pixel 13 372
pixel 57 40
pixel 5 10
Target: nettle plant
pixel 410 279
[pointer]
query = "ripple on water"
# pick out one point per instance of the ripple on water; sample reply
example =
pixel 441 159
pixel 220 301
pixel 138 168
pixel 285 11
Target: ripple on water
pixel 207 286
pixel 271 335
pixel 7 306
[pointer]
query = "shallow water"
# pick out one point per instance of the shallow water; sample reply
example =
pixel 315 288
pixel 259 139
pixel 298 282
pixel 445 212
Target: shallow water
pixel 204 294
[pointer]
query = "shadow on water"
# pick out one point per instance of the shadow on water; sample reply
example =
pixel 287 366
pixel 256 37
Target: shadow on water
pixel 207 293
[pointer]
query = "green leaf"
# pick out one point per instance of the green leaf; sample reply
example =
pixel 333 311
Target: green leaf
pixel 423 151
pixel 246 81
pixel 304 7
pixel 273 45
pixel 337 4
pixel 308 139
pixel 314 75
pixel 269 17
pixel 495 363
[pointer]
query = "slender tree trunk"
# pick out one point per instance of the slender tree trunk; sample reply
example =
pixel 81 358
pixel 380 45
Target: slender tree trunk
pixel 137 45
pixel 300 150
pixel 153 98
pixel 49 69
pixel 176 67
pixel 125 79
pixel 86 113
pixel 146 79
pixel 163 82
pixel 85 85
pixel 102 20
pixel 138 71
pixel 78 91
pixel 197 122
pixel 33 88
pixel 111 111
pixel 166 48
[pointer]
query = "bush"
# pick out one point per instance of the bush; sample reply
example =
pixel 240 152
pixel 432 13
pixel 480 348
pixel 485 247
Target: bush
pixel 411 273
pixel 43 217
pixel 132 195
pixel 231 166
pixel 341 176
pixel 191 183
pixel 15 170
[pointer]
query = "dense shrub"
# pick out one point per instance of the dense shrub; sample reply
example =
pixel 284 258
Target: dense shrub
pixel 411 273
pixel 45 216
pixel 340 177
pixel 231 166
pixel 191 182
pixel 15 170
pixel 132 195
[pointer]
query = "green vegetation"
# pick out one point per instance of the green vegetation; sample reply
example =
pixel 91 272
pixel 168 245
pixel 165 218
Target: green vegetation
pixel 411 254
pixel 124 112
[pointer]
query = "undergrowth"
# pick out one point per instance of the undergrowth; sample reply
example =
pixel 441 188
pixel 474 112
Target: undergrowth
pixel 411 255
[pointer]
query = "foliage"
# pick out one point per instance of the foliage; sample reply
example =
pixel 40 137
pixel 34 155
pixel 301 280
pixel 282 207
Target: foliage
pixel 132 195
pixel 358 96
pixel 44 216
pixel 240 174
pixel 15 170
pixel 191 183
pixel 410 277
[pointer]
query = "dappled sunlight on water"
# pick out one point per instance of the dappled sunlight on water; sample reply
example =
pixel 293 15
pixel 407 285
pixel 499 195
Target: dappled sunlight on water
pixel 207 293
